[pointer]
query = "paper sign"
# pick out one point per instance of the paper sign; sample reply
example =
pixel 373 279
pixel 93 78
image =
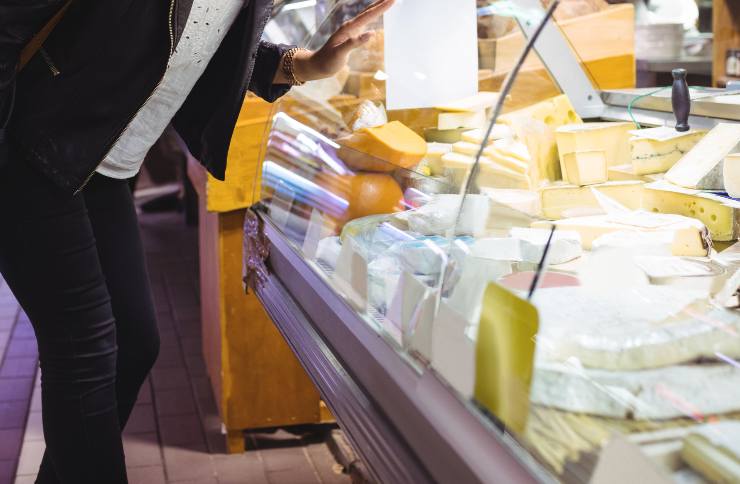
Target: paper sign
pixel 350 276
pixel 505 356
pixel 622 461
pixel 431 52
pixel 318 228
pixel 453 353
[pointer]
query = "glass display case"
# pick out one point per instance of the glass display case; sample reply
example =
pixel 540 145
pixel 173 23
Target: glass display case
pixel 546 277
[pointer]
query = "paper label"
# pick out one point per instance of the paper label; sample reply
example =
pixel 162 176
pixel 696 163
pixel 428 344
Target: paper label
pixel 431 52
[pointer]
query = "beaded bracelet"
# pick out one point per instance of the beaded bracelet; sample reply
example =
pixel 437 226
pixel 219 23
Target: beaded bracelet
pixel 288 68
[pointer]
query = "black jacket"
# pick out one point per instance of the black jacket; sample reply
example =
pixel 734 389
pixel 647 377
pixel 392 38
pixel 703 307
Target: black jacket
pixel 100 65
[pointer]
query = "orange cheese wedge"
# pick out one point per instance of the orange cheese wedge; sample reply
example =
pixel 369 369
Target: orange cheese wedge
pixel 382 149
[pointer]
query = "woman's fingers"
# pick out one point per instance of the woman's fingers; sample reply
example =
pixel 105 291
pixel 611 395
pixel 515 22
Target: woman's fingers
pixel 354 42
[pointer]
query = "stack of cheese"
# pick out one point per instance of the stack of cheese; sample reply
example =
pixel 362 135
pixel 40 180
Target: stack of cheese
pixel 456 117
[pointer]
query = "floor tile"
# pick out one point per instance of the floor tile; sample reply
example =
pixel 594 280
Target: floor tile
pixel 10 443
pixel 141 420
pixel 7 471
pixel 23 347
pixel 292 476
pixel 34 427
pixel 178 401
pixel 146 475
pixel 170 356
pixel 240 468
pixel 329 471
pixel 36 399
pixel 170 378
pixel 19 367
pixel 29 479
pixel 13 414
pixel 31 454
pixel 187 462
pixel 142 450
pixel 12 389
pixel 181 429
pixel 286 459
pixel 191 346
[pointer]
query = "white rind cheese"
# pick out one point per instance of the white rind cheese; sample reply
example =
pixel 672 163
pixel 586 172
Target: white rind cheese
pixel 562 201
pixel 731 175
pixel 714 451
pixel 439 215
pixel 645 327
pixel 627 173
pixel 701 168
pixel 664 393
pixel 656 150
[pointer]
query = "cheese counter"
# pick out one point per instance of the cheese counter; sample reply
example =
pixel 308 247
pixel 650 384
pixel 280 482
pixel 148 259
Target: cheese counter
pixel 518 284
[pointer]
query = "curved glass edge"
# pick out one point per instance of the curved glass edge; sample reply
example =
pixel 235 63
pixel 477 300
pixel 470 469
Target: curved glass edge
pixel 563 288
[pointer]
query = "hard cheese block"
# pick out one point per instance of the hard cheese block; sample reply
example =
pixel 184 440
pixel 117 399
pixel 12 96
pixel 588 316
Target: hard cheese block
pixel 731 175
pixel 440 215
pixel 690 236
pixel 561 201
pixel 499 131
pixel 433 158
pixel 627 172
pixel 638 395
pixel 461 120
pixel 721 215
pixel 656 150
pixel 479 102
pixel 714 451
pixel 383 148
pixel 584 167
pixel 701 168
pixel 610 139
pixel 554 112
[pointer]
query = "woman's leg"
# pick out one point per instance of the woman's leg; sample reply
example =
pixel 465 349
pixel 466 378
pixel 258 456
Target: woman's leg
pixel 49 258
pixel 115 224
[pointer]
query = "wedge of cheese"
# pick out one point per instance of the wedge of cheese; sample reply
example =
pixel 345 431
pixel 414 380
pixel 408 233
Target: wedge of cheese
pixel 701 168
pixel 382 148
pixel 563 201
pixel 721 215
pixel 479 102
pixel 461 120
pixel 690 236
pixel 612 139
pixel 496 175
pixel 457 167
pixel 627 172
pixel 511 162
pixel 731 175
pixel 524 201
pixel 713 450
pixel 656 150
pixel 584 167
pixel 499 131
pixel 465 148
pixel 554 112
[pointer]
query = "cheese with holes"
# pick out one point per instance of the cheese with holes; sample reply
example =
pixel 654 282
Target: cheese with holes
pixel 656 150
pixel 610 139
pixel 499 131
pixel 562 201
pixel 713 450
pixel 383 148
pixel 554 112
pixel 731 175
pixel 721 215
pixel 701 168
pixel 584 167
pixel 461 120
pixel 689 236
pixel 627 172
pixel 479 102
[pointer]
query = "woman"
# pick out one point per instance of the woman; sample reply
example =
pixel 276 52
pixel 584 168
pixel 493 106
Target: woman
pixel 87 107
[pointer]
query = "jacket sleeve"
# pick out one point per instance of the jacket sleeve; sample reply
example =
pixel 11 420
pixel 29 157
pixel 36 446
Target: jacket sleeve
pixel 265 66
pixel 20 20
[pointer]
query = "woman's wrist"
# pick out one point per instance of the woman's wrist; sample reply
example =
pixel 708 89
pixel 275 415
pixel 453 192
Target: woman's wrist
pixel 303 68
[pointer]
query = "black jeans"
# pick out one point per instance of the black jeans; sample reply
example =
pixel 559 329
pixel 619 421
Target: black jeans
pixel 76 266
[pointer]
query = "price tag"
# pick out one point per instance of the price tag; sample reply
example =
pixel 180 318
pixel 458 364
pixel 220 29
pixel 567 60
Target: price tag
pixel 350 276
pixel 318 228
pixel 622 461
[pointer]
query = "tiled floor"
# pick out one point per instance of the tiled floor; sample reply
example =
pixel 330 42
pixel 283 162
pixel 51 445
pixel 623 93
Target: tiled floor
pixel 174 435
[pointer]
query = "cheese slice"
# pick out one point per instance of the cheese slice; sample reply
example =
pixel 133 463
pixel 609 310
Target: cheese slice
pixel 461 120
pixel 584 167
pixel 714 450
pixel 511 147
pixel 440 215
pixel 656 150
pixel 721 215
pixel 435 151
pixel 479 102
pixel 496 175
pixel 383 148
pixel 627 172
pixel 524 201
pixel 456 167
pixel 499 131
pixel 610 138
pixel 562 201
pixel 465 148
pixel 509 162
pixel 701 168
pixel 690 237
pixel 731 175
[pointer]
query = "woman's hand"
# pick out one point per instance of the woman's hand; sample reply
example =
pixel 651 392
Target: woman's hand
pixel 333 56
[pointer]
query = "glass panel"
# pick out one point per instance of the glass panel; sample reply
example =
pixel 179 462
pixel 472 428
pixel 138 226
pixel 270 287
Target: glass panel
pixel 605 343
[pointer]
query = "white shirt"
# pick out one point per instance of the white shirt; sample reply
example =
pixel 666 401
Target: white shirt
pixel 208 23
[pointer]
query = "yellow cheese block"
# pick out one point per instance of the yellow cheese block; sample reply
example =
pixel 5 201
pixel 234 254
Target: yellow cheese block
pixel 510 162
pixel 562 201
pixel 690 237
pixel 719 214
pixel 612 139
pixel 479 102
pixel 627 173
pixel 474 120
pixel 433 158
pixel 434 135
pixel 465 148
pixel 457 166
pixel 554 112
pixel 499 131
pixel 382 149
pixel 657 154
pixel 495 175
pixel 584 167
